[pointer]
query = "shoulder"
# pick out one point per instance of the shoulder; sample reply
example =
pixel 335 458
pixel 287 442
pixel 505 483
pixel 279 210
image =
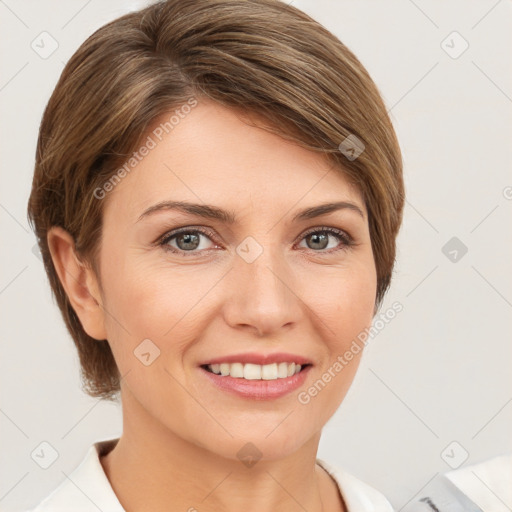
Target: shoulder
pixel 86 489
pixel 358 496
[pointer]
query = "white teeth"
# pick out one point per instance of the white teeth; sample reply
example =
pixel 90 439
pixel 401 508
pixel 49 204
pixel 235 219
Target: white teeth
pixel 282 370
pixel 237 370
pixel 251 371
pixel 269 371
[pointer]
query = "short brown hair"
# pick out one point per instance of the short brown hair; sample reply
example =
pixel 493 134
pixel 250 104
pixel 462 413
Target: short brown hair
pixel 262 56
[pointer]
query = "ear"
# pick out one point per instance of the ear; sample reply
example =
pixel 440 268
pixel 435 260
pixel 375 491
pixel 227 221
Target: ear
pixel 79 283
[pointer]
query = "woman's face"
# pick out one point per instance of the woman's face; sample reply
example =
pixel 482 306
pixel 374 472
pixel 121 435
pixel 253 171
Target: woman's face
pixel 267 282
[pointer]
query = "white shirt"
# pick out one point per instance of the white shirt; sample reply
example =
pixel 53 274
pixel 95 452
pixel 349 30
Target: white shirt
pixel 87 489
pixel 488 484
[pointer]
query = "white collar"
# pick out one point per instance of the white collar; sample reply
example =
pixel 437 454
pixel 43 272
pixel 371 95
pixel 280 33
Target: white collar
pixel 358 496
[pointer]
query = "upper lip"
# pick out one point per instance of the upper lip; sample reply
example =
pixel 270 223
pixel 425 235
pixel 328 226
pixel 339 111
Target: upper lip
pixel 261 359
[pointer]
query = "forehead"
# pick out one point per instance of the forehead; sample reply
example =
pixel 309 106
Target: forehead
pixel 216 155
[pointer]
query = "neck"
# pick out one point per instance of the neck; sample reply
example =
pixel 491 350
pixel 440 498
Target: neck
pixel 152 468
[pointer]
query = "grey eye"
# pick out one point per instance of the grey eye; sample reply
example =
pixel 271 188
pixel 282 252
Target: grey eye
pixel 187 241
pixel 318 240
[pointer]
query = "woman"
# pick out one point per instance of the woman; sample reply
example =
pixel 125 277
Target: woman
pixel 217 194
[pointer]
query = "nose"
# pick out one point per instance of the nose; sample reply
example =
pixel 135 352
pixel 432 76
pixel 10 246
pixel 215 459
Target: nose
pixel 263 295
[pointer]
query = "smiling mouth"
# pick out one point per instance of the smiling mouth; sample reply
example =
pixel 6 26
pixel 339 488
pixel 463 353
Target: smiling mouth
pixel 249 371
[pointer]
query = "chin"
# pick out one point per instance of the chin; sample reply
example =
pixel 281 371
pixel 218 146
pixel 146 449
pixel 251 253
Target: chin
pixel 262 444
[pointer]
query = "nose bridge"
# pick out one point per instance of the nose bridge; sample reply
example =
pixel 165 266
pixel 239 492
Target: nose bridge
pixel 262 292
pixel 262 269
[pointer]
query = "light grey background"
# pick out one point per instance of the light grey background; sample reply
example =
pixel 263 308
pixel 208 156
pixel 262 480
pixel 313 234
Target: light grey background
pixel 438 373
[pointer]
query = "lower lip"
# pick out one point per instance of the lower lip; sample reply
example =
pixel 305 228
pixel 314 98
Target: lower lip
pixel 257 389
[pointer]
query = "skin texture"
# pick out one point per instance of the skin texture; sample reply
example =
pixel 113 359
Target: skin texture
pixel 181 434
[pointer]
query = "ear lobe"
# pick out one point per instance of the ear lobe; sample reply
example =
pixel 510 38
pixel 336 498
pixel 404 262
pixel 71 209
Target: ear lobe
pixel 78 281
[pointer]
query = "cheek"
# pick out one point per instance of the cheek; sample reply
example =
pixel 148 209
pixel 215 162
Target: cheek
pixel 347 308
pixel 137 291
pixel 158 302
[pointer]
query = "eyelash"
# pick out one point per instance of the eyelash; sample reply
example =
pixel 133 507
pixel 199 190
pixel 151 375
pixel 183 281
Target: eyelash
pixel 345 238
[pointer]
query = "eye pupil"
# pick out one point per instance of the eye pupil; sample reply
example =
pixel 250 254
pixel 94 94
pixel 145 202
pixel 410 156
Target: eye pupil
pixel 321 239
pixel 189 238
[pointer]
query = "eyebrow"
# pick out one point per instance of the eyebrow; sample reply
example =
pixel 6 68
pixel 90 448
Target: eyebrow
pixel 229 217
